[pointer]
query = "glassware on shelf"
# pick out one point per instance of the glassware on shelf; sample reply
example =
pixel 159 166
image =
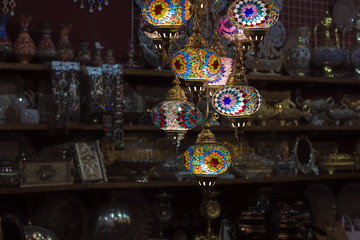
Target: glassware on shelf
pixel 98 59
pixel 84 55
pixel 64 48
pixel 300 54
pixel 24 46
pixel 46 49
pixel 355 55
pixel 109 58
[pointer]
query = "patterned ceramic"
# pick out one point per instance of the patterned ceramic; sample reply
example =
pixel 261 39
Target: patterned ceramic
pixel 223 76
pixel 328 57
pixel 98 59
pixel 46 49
pixel 175 115
pixel 300 55
pixel 64 48
pixel 236 101
pixel 167 12
pixel 277 34
pixel 109 58
pixel 24 47
pixel 84 55
pixel 196 63
pixel 229 31
pixel 207 159
pixel 6 48
pixel 253 13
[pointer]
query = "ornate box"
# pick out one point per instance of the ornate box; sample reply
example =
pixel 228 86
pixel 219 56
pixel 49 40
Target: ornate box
pixel 59 171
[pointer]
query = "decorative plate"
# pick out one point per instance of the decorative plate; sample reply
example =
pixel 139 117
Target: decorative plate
pixel 277 34
pixel 344 12
pixel 321 198
pixel 63 215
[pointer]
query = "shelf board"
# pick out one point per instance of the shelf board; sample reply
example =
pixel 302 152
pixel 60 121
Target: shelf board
pixel 44 126
pixel 168 74
pixel 20 66
pixel 174 184
pixel 149 127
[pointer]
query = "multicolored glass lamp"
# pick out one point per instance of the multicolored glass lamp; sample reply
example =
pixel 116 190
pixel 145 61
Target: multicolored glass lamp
pixel 196 63
pixel 255 17
pixel 237 100
pixel 167 16
pixel 220 80
pixel 236 36
pixel 207 159
pixel 175 115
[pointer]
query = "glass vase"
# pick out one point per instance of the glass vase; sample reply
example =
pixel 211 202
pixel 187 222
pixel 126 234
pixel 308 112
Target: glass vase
pixel 84 55
pixel 64 48
pixel 300 54
pixel 24 47
pixel 46 50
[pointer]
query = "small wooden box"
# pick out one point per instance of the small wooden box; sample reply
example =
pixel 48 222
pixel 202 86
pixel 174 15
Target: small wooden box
pixel 47 173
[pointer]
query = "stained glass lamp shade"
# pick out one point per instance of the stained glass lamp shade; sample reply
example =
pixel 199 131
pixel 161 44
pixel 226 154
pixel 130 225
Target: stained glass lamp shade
pixel 207 159
pixel 229 31
pixel 175 115
pixel 225 71
pixel 167 16
pixel 254 16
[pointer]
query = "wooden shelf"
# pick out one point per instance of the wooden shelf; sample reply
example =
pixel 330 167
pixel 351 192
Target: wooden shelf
pixel 149 127
pixel 44 126
pixel 168 74
pixel 175 184
pixel 21 67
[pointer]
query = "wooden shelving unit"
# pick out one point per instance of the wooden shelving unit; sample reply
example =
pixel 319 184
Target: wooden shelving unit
pixel 175 184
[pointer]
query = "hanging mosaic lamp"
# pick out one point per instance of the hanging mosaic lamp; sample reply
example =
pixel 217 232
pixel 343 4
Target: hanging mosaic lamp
pixel 207 159
pixel 236 36
pixel 167 16
pixel 255 17
pixel 220 80
pixel 196 63
pixel 237 100
pixel 175 115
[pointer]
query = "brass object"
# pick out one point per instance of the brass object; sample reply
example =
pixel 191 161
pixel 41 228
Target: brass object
pixel 175 93
pixel 237 77
pixel 352 102
pixel 256 36
pixel 288 114
pixel 336 161
pixel 327 23
pixel 196 40
pixel 197 88
pixel 265 113
pixel 206 136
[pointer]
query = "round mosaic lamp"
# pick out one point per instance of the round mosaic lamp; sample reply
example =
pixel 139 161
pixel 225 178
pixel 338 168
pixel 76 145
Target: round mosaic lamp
pixel 196 63
pixel 167 16
pixel 207 159
pixel 175 115
pixel 237 100
pixel 255 17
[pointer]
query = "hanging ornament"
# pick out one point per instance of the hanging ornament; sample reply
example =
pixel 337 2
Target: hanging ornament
pixel 8 6
pixel 92 4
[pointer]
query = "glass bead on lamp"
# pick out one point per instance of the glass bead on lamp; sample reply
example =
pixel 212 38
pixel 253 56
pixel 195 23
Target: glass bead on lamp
pixel 255 17
pixel 207 159
pixel 175 115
